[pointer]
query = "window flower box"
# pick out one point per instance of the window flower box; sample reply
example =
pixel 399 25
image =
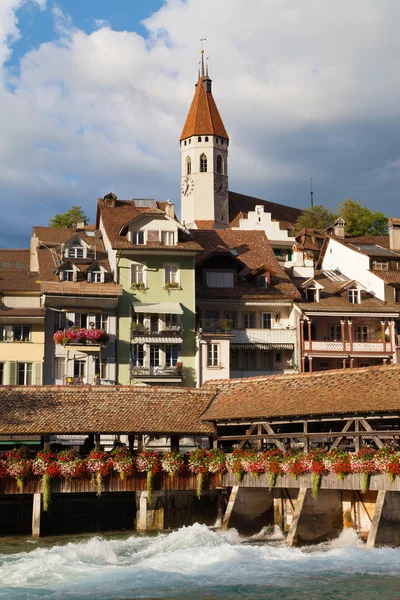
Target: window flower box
pixel 81 336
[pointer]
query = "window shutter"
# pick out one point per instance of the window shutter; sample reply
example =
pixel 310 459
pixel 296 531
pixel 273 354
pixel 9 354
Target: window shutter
pixel 37 373
pixel 11 375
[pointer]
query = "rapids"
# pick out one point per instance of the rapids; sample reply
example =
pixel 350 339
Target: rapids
pixel 196 563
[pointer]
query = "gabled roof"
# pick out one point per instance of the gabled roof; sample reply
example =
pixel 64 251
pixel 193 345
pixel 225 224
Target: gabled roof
pixel 203 116
pixel 254 251
pixel 343 391
pixel 241 204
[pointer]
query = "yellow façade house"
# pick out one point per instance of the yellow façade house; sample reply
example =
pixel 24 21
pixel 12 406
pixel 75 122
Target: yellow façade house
pixel 22 321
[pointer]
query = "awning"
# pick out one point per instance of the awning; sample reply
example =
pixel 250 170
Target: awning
pixel 262 346
pixel 83 348
pixel 163 308
pixel 148 339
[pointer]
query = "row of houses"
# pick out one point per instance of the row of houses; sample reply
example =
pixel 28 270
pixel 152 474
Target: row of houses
pixel 228 290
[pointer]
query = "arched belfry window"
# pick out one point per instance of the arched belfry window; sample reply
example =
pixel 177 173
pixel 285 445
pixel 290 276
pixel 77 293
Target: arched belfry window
pixel 219 164
pixel 203 163
pixel 188 165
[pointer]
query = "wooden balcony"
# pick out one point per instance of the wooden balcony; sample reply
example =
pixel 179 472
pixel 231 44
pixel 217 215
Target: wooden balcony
pixel 339 347
pixel 81 288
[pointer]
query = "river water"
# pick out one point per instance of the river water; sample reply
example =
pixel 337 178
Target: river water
pixel 196 563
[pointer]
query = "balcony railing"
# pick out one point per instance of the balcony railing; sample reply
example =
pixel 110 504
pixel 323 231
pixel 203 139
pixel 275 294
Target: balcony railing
pixel 369 345
pixel 81 288
pixel 215 325
pixel 139 330
pixel 265 336
pixel 157 371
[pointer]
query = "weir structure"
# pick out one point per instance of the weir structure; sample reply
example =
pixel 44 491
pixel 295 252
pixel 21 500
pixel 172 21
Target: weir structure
pixel 345 409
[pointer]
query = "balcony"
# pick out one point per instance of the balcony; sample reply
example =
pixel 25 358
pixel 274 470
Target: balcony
pixel 166 334
pixel 215 326
pixel 81 288
pixel 281 336
pixel 157 372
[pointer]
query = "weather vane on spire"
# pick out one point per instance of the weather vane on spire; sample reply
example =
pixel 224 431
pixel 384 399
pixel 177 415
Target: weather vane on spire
pixel 202 55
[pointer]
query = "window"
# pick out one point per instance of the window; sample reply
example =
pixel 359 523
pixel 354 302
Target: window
pixel 190 140
pixel 75 252
pixel 101 367
pixel 6 333
pixel 213 355
pixel 67 275
pixel 249 320
pixel 171 354
pixel 354 296
pixel 335 333
pixel 138 355
pixel 81 320
pixel 277 318
pixel 266 320
pixel 95 277
pixel 232 317
pixel 199 139
pixel 154 356
pixel 24 373
pixel 1 373
pixel 397 294
pixel 234 359
pixel 167 238
pixel 249 359
pixel 362 333
pixel 59 367
pixel 206 139
pixel 219 164
pixel 221 279
pixel 60 321
pixel 137 238
pixel 173 322
pixel 171 274
pixel 324 366
pixel 278 252
pixel 80 369
pixel 138 274
pixel 101 321
pixel 203 163
pixel 22 333
pixel 267 362
pixel 184 142
pixel 278 357
pixel 380 265
pixel 217 141
pixel 312 295
pixel 188 165
pixel 263 281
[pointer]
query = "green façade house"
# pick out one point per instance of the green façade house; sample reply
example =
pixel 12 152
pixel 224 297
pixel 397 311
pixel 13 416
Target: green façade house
pixel 153 258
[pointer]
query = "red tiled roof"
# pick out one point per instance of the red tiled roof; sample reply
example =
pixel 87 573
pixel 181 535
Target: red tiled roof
pixel 203 116
pixel 6 311
pixel 102 409
pixel 15 275
pixel 253 250
pixel 389 277
pixel 344 391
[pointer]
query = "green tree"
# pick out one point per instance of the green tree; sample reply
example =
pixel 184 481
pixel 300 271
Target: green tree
pixel 69 218
pixel 316 217
pixel 360 220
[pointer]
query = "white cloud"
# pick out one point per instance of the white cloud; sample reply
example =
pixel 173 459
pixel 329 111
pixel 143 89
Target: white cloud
pixel 304 89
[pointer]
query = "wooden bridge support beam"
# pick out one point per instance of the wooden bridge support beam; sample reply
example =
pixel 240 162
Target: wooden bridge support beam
pixel 36 514
pixel 373 531
pixel 292 534
pixel 229 508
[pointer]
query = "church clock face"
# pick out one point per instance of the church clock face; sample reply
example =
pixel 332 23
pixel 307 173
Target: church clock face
pixel 187 186
pixel 220 185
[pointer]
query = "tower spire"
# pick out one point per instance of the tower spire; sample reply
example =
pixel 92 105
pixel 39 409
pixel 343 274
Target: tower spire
pixel 202 72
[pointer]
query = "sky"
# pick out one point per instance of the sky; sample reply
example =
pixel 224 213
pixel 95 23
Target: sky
pixel 94 95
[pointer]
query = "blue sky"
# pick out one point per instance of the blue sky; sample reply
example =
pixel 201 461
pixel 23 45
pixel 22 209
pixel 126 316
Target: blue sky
pixel 94 95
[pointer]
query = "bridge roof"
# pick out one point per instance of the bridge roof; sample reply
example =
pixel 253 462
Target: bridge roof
pixel 335 392
pixel 103 409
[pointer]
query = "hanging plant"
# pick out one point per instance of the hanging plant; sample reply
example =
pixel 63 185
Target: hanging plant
pixel 387 462
pixel 338 461
pixel 70 465
pixel 294 463
pixel 252 462
pixel 234 463
pixel 99 464
pixel 45 467
pixel 216 463
pixel 272 460
pixel 316 466
pixel 18 465
pixel 197 463
pixel 148 462
pixel 172 463
pixel 364 463
pixel 123 462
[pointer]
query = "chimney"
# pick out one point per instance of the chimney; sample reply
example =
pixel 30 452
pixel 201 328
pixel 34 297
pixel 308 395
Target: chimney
pixel 110 200
pixel 303 264
pixel 394 233
pixel 34 245
pixel 170 209
pixel 81 224
pixel 339 227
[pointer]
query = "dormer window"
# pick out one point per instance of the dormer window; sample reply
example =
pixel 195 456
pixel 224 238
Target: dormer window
pixel 95 276
pixel 67 274
pixel 312 294
pixel 75 252
pixel 354 295
pixel 263 281
pixel 167 238
pixel 219 279
pixel 137 238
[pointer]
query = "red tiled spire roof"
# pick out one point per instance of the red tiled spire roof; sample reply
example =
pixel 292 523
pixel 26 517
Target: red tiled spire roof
pixel 203 117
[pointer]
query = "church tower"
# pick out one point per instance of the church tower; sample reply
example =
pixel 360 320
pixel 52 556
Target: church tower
pixel 204 160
